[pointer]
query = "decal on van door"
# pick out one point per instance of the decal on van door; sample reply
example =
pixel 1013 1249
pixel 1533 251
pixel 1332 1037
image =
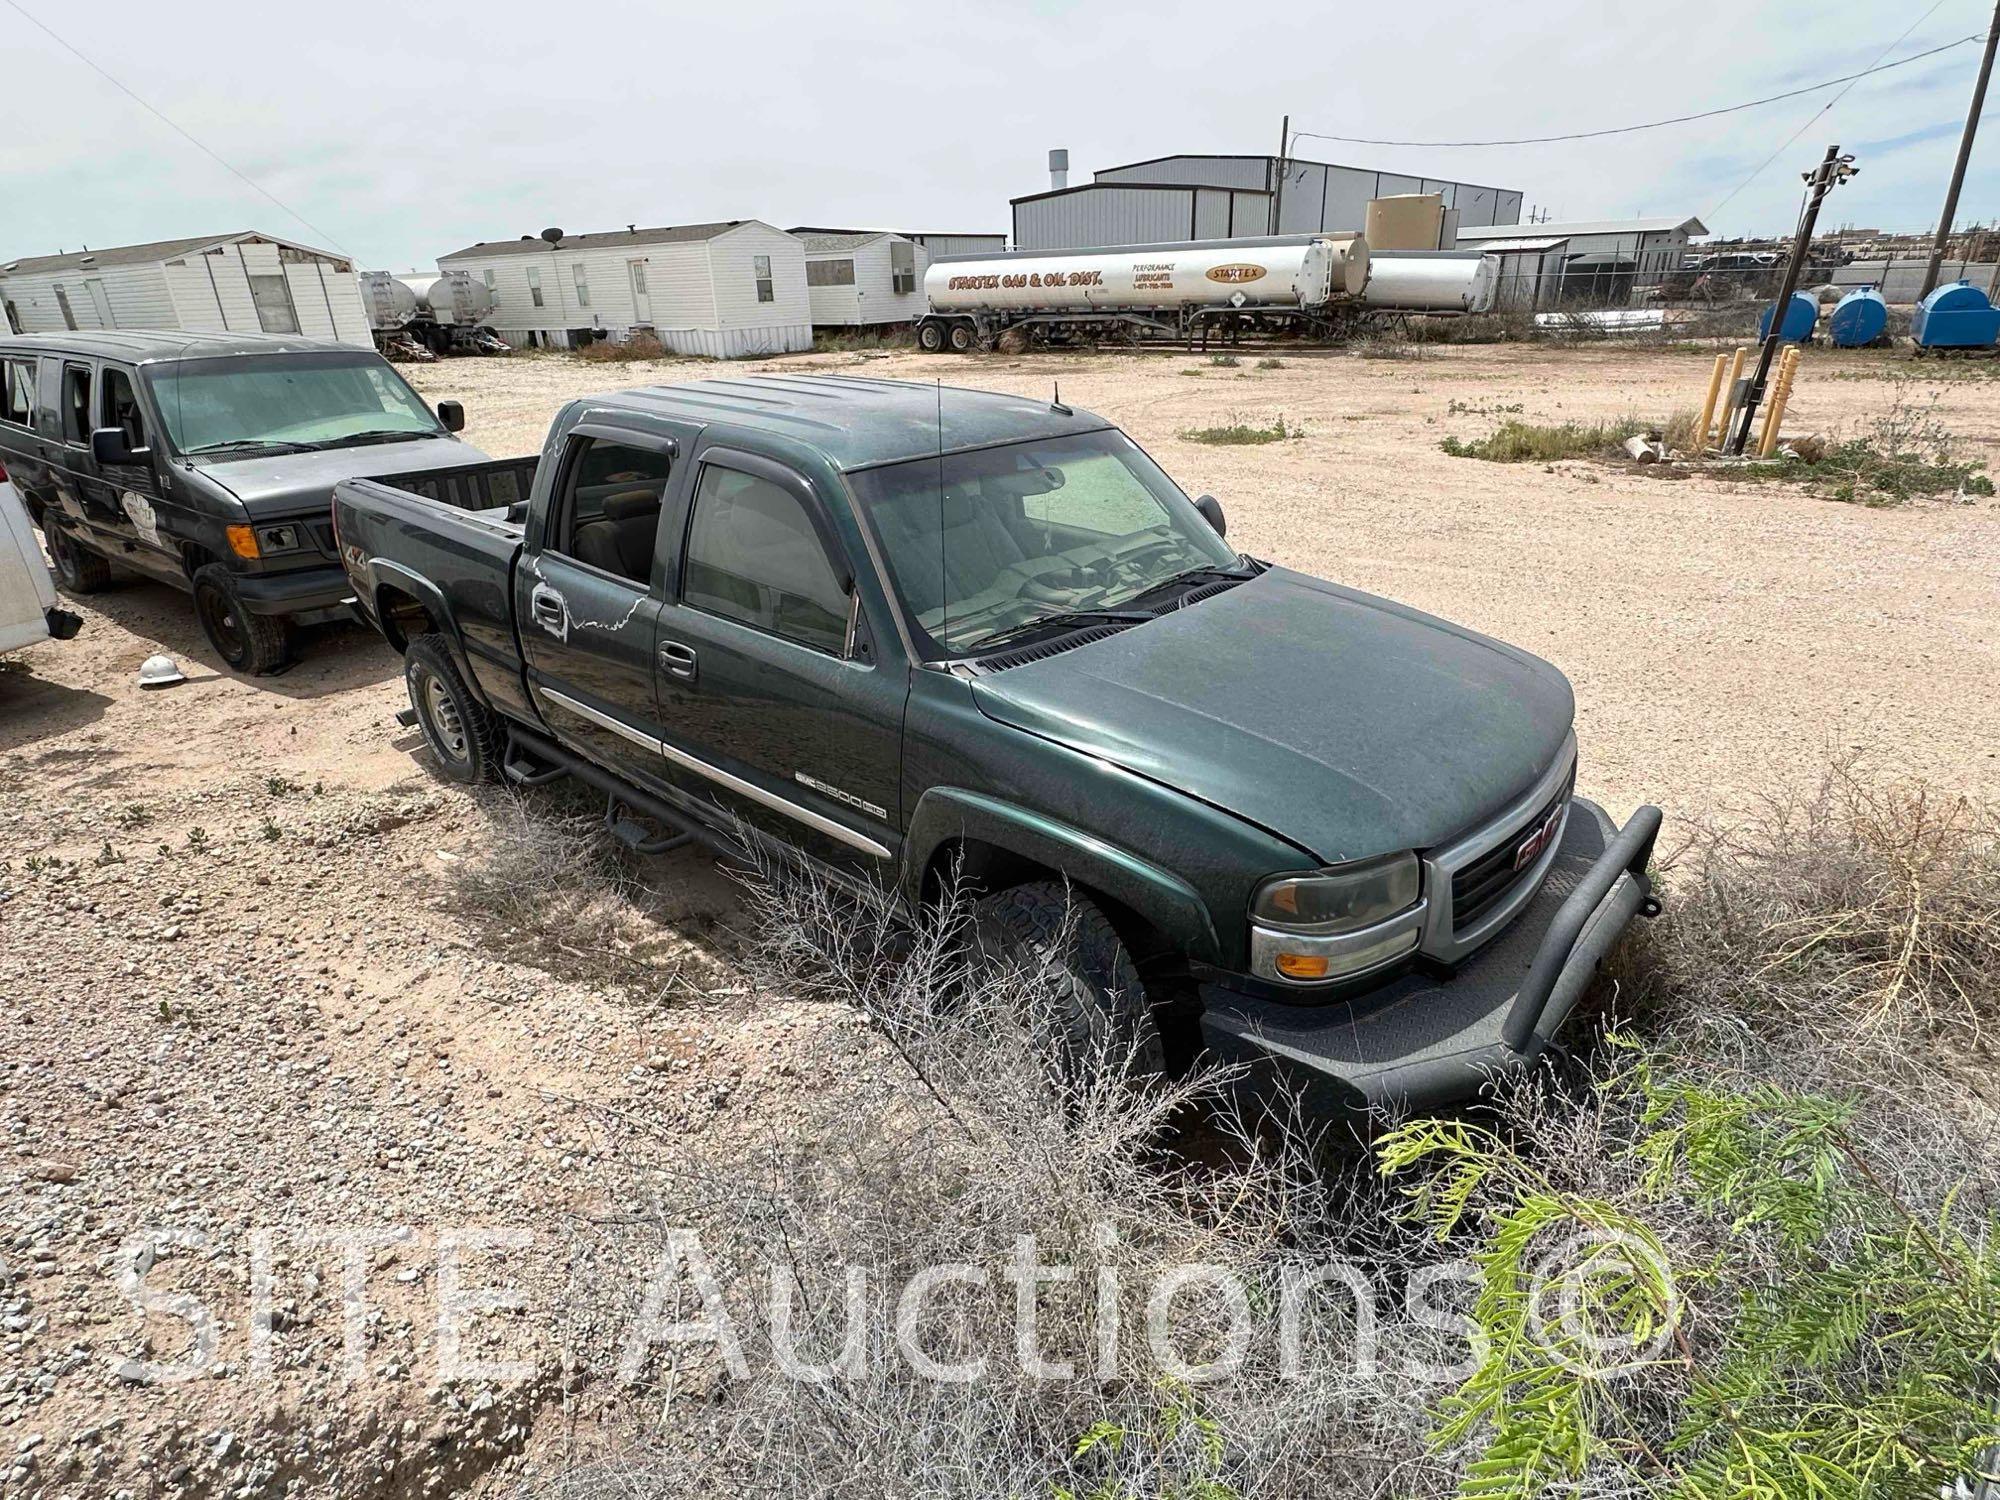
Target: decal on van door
pixel 139 510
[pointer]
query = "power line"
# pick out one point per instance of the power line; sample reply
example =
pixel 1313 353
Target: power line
pixel 159 115
pixel 1707 114
pixel 1813 118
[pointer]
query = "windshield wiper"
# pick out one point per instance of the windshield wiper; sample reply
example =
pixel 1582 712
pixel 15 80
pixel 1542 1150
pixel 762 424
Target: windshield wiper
pixel 1064 617
pixel 380 435
pixel 249 445
pixel 1240 572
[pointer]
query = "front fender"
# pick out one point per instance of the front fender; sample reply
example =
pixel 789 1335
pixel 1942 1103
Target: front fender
pixel 945 814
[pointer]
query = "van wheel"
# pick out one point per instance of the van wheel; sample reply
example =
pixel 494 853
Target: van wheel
pixel 78 569
pixel 930 338
pixel 247 643
pixel 461 732
pixel 962 338
pixel 1097 1015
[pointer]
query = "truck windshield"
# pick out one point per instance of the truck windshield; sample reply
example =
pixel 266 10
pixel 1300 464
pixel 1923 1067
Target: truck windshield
pixel 982 545
pixel 291 401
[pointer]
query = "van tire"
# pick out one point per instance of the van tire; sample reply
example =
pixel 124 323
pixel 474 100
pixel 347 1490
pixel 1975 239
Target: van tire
pixel 251 644
pixel 1100 1015
pixel 462 733
pixel 78 568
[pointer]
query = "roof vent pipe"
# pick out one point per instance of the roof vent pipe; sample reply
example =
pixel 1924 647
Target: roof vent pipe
pixel 1058 169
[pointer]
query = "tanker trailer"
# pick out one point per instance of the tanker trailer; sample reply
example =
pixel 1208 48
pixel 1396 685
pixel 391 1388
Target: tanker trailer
pixel 1184 291
pixel 395 315
pixel 1452 281
pixel 460 308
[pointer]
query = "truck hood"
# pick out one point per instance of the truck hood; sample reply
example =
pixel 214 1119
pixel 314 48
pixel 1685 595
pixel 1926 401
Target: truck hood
pixel 283 484
pixel 1346 724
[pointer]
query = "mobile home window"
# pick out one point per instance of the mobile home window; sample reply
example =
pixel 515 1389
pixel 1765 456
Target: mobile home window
pixel 582 285
pixel 535 285
pixel 17 391
pixel 829 273
pixel 487 276
pixel 902 267
pixel 761 266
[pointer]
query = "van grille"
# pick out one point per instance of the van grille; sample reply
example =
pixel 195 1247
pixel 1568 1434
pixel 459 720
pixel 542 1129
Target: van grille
pixel 1477 887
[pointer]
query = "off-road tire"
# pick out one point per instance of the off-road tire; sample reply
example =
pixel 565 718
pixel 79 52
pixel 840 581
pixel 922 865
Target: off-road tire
pixel 963 338
pixel 247 643
pixel 1097 1015
pixel 78 569
pixel 930 337
pixel 462 734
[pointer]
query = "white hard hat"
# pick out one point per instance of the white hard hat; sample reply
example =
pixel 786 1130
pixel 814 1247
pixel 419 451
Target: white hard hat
pixel 158 672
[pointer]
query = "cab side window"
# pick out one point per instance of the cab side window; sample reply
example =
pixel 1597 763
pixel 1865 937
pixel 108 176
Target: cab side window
pixel 609 517
pixel 75 408
pixel 753 555
pixel 17 392
pixel 121 408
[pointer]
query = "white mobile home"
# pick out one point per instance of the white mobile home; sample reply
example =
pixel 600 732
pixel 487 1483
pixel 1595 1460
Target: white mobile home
pixel 863 278
pixel 231 283
pixel 729 290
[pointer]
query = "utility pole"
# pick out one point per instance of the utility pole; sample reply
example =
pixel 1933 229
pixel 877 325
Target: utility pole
pixel 1964 156
pixel 1830 173
pixel 1285 150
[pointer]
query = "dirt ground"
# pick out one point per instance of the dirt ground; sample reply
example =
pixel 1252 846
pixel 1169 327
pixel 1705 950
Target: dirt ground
pixel 242 1002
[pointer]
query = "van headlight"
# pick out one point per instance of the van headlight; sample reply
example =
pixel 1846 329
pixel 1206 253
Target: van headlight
pixel 1338 921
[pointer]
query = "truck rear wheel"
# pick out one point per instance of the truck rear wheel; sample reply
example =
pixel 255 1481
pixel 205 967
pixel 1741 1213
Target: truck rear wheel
pixel 461 732
pixel 962 338
pixel 78 569
pixel 930 337
pixel 1090 1013
pixel 247 643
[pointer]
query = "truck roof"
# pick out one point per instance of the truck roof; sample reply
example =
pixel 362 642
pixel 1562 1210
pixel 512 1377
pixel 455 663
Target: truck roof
pixel 147 346
pixel 857 422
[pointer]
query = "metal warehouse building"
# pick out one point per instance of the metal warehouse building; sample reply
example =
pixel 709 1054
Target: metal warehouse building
pixel 728 289
pixel 1170 198
pixel 217 283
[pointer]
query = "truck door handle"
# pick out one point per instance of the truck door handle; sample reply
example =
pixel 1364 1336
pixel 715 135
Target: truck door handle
pixel 547 607
pixel 678 660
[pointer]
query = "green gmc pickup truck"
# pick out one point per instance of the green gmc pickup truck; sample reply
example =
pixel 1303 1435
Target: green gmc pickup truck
pixel 894 631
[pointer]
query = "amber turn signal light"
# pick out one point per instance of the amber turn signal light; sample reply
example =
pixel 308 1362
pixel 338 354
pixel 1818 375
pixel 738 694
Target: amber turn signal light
pixel 243 541
pixel 1302 966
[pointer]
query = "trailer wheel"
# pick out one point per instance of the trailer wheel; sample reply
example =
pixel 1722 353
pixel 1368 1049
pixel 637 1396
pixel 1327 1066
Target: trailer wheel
pixel 930 337
pixel 962 338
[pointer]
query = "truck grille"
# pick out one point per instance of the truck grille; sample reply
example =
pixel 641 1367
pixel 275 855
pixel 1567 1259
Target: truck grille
pixel 1478 887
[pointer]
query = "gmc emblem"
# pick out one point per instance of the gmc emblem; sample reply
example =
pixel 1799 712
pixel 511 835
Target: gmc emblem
pixel 1539 838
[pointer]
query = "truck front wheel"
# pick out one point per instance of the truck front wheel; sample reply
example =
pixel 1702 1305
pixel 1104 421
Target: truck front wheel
pixel 461 732
pixel 1087 1005
pixel 247 643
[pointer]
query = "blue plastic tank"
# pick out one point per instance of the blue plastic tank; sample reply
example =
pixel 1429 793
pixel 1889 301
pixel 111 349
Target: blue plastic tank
pixel 1955 316
pixel 1799 320
pixel 1859 318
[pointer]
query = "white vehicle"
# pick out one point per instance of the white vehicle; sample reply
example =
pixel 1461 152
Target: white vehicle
pixel 1305 282
pixel 28 611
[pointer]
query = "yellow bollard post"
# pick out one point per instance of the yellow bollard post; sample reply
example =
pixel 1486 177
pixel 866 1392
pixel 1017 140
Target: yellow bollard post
pixel 1708 405
pixel 1729 397
pixel 1787 373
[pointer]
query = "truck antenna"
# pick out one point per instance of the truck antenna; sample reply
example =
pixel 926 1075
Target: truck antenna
pixel 1056 402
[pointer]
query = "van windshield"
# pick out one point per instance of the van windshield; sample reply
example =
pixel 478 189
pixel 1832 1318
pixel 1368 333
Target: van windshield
pixel 987 544
pixel 265 403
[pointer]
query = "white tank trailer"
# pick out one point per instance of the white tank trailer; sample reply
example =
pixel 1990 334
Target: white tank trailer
pixel 419 315
pixel 1305 283
pixel 1447 281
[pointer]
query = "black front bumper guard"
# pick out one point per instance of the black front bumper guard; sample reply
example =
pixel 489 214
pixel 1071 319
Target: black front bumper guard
pixel 1425 1040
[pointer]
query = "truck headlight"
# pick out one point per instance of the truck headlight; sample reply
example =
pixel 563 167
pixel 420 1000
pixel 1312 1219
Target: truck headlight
pixel 1339 921
pixel 278 538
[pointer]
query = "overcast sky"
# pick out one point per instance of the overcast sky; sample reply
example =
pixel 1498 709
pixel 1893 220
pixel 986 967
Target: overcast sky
pixel 400 133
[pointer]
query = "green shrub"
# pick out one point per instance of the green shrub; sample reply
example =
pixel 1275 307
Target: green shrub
pixel 1515 442
pixel 1239 434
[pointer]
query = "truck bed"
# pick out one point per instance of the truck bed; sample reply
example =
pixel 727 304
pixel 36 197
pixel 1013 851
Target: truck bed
pixel 412 542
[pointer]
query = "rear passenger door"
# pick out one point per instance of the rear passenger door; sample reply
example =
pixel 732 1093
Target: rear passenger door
pixel 588 600
pixel 776 697
pixel 69 393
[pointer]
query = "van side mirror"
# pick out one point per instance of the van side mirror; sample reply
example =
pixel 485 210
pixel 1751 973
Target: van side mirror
pixel 108 445
pixel 452 414
pixel 1211 512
